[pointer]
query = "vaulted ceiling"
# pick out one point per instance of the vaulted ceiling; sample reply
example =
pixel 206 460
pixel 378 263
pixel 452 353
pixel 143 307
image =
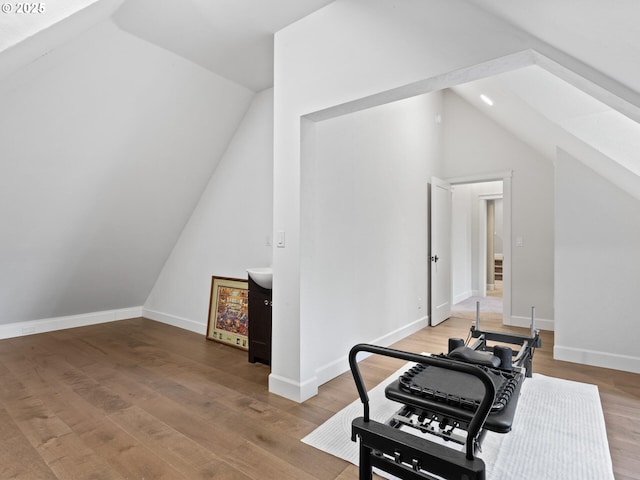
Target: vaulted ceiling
pixel 133 169
pixel 231 38
pixel 234 39
pixel 114 117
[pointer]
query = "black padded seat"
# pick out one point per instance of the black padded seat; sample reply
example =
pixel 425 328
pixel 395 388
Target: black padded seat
pixel 478 357
pixel 456 394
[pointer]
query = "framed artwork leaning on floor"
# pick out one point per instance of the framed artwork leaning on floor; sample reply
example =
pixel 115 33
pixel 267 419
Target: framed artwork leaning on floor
pixel 228 312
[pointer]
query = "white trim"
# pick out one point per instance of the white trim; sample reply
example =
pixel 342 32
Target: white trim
pixel 332 370
pixel 341 365
pixel 175 321
pixel 482 240
pixel 402 332
pixel 589 80
pixel 461 297
pixel 489 68
pixel 482 177
pixel 624 363
pixel 296 391
pixel 541 323
pixel 482 247
pixel 507 260
pixel 31 327
pixel 301 391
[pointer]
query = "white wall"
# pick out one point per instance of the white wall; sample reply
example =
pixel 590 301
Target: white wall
pixel 230 229
pixel 355 54
pixel 597 264
pixel 364 248
pixel 106 144
pixel 342 53
pixel 474 145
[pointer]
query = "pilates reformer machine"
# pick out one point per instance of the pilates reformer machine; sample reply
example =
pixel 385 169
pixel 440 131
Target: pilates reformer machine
pixel 449 401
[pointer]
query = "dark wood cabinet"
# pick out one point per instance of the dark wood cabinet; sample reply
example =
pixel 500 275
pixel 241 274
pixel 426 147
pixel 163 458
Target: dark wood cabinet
pixel 259 323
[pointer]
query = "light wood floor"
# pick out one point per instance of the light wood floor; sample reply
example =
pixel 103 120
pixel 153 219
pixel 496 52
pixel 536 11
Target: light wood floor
pixel 137 399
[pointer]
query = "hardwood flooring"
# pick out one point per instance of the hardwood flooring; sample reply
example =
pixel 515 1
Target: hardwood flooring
pixel 137 399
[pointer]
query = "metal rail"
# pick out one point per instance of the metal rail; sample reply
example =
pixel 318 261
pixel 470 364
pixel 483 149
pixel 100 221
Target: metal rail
pixel 480 416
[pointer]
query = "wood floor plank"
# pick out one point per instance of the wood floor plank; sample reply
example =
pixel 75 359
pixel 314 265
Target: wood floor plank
pixel 183 454
pixel 258 463
pixel 18 459
pixel 182 418
pixel 58 446
pixel 83 408
pixel 245 418
pixel 137 399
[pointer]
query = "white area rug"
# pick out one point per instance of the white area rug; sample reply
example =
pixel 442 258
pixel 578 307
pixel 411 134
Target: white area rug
pixel 558 433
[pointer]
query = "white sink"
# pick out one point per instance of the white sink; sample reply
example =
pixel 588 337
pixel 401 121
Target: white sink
pixel 263 276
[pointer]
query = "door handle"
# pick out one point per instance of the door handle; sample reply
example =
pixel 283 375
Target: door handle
pixel 434 258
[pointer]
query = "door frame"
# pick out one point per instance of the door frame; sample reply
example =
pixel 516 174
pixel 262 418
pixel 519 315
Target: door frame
pixel 482 241
pixel 507 194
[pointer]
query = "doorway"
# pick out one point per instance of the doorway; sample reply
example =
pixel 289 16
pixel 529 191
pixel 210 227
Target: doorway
pixel 491 279
pixel 480 253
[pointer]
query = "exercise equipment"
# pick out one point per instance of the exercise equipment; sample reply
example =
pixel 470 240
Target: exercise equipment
pixel 449 401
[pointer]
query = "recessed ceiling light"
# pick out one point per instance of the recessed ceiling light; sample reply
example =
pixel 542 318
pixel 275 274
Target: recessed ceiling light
pixel 486 99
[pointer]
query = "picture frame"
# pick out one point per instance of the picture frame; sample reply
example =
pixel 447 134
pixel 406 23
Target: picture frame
pixel 229 312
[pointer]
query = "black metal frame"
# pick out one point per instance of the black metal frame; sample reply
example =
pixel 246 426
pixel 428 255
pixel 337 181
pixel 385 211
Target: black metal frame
pixel 524 356
pixel 406 455
pixel 412 457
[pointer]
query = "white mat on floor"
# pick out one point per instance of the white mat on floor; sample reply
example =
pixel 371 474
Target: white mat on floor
pixel 558 432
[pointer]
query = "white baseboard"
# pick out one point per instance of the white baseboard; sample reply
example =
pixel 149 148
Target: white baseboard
pixel 541 323
pixel 296 391
pixel 337 367
pixel 301 391
pixel 175 321
pixel 594 358
pixel 460 297
pixel 31 327
pixel 401 332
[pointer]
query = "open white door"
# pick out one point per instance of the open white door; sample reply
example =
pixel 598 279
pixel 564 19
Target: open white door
pixel 440 249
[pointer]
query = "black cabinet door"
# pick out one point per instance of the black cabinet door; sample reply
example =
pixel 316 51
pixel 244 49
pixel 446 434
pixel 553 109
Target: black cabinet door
pixel 259 323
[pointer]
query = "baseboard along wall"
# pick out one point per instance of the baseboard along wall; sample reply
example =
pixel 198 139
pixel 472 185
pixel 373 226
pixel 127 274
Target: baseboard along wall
pixel 594 358
pixel 176 321
pixel 31 327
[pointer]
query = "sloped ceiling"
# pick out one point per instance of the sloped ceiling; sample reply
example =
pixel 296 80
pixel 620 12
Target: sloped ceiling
pixel 601 34
pixel 16 26
pixel 229 37
pixel 24 38
pixel 102 161
pixel 106 145
pixel 547 112
pixel 107 141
